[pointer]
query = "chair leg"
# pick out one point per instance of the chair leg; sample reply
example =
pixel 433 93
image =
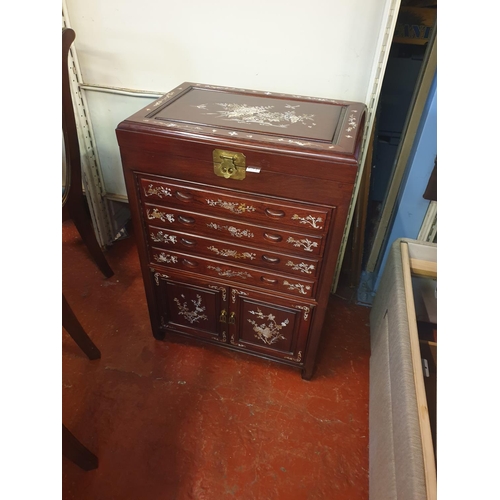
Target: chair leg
pixel 74 328
pixel 76 452
pixel 84 227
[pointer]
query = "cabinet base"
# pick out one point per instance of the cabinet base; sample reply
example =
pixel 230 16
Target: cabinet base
pixel 172 335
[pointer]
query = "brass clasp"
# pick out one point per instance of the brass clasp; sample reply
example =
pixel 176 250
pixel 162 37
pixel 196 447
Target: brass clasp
pixel 229 164
pixel 222 317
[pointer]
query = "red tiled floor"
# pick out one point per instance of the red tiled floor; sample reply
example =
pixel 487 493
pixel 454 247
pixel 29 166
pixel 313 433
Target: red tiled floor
pixel 182 420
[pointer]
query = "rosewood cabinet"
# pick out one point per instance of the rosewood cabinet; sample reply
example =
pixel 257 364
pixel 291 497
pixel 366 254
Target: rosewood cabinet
pixel 239 200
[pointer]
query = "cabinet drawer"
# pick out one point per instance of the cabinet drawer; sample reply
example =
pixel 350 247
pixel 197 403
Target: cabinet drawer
pixel 268 237
pixel 199 245
pixel 256 277
pixel 242 207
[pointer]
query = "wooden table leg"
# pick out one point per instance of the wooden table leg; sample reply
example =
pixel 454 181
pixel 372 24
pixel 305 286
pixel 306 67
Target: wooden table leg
pixel 76 452
pixel 74 328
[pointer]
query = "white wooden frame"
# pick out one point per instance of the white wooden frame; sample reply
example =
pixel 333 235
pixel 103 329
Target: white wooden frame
pixel 91 168
pixel 378 70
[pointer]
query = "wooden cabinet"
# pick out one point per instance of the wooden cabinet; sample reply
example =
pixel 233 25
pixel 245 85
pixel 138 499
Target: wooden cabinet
pixel 239 201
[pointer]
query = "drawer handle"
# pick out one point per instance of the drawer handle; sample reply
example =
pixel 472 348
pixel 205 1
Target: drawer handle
pixel 274 213
pixel 183 196
pixel 273 237
pixel 188 243
pixel 185 220
pixel 272 260
pixel 268 280
pixel 232 318
pixel 189 263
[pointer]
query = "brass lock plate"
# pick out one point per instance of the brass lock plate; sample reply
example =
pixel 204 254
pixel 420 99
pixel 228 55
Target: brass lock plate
pixel 229 164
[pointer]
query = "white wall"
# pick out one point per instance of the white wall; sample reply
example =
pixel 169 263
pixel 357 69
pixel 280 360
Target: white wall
pixel 323 48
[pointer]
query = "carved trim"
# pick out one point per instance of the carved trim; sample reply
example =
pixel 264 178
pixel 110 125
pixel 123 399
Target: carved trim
pixel 306 243
pixel 195 314
pixel 298 359
pixel 224 338
pixel 234 292
pixel 165 257
pixel 157 214
pixel 269 333
pixel 235 208
pixel 237 233
pixel 221 288
pixel 302 267
pixel 230 274
pixel 162 237
pixel 225 252
pixel 159 191
pixel 297 286
pixel 309 220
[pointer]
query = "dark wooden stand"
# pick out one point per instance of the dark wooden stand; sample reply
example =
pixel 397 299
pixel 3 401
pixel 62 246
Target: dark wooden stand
pixel 74 204
pixel 76 452
pixel 74 328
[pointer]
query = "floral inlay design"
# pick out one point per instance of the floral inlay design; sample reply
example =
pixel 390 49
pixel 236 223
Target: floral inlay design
pixel 230 274
pixel 166 258
pixel 269 331
pixel 234 292
pixel 305 243
pixel 297 286
pixel 234 342
pixel 306 310
pixel 302 267
pixel 158 214
pixel 157 277
pixel 309 220
pixel 159 191
pixel 237 233
pixel 226 252
pixel 194 315
pixel 162 237
pixel 297 359
pixel 235 208
pixel 260 115
pixel 221 288
pixel 351 123
pixel 166 97
pixel 286 116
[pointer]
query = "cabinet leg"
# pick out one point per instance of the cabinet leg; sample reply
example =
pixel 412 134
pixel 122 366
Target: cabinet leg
pixel 307 373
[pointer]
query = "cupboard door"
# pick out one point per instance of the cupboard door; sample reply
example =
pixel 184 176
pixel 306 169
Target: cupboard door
pixel 193 307
pixel 268 325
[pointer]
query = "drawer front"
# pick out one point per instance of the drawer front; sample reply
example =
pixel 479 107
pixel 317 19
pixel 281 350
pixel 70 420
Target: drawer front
pixel 268 237
pixel 251 276
pixel 242 207
pixel 238 254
